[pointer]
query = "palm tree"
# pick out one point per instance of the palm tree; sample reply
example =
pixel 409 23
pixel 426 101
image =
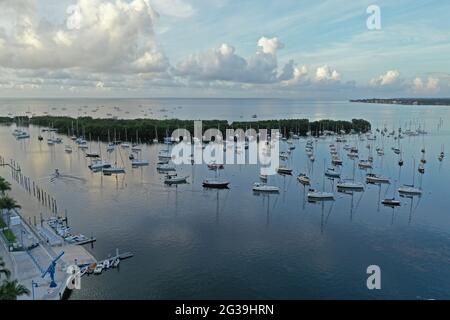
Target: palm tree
pixel 4 186
pixel 8 203
pixel 10 290
pixel 3 270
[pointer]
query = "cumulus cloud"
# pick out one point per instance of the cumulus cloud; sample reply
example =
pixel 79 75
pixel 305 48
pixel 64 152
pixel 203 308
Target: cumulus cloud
pixel 223 64
pixel 429 86
pixel 109 36
pixel 270 45
pixel 325 73
pixel 292 74
pixel 389 78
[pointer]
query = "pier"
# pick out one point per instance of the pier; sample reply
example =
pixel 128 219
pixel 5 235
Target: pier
pixel 39 245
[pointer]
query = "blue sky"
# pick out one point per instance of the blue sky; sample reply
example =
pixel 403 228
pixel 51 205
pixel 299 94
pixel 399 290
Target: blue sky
pixel 223 48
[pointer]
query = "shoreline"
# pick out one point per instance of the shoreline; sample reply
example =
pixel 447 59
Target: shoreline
pixel 146 130
pixel 406 101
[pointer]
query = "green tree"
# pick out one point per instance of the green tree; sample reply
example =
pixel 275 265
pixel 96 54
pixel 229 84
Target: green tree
pixel 8 204
pixel 4 186
pixel 3 270
pixel 11 290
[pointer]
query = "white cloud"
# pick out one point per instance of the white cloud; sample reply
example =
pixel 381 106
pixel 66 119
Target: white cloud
pixel 389 78
pixel 112 36
pixel 270 45
pixel 223 64
pixel 325 73
pixel 430 86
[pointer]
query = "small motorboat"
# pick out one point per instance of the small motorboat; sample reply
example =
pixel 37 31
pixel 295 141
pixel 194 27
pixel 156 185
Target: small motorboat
pixel 262 187
pixel 98 268
pixel 215 184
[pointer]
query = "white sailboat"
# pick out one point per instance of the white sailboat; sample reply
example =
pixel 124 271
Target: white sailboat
pixel 410 189
pixel 315 195
pixel 262 187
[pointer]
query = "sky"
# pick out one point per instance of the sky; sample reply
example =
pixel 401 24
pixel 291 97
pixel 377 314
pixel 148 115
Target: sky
pixel 324 49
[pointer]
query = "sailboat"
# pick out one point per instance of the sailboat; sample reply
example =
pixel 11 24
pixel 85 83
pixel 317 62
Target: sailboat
pixel 376 179
pixel 315 195
pixel 262 187
pixel 350 184
pixel 410 189
pixel 113 169
pixel 90 153
pixel 175 179
pixel 155 140
pixel 215 183
pixel 135 147
pixel 125 144
pixel 304 179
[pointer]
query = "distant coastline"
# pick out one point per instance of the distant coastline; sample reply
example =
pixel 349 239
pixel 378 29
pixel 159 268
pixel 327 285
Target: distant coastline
pixel 407 101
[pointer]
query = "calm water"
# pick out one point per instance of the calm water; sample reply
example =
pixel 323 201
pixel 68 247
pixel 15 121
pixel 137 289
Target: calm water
pixel 194 243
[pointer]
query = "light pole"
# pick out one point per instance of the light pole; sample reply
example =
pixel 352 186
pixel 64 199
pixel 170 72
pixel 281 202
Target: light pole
pixel 33 285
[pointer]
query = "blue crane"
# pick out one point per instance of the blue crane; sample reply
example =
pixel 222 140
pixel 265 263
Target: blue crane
pixel 51 270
